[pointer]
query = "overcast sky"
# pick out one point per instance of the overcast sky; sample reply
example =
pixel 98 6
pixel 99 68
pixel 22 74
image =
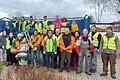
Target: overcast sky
pixel 51 8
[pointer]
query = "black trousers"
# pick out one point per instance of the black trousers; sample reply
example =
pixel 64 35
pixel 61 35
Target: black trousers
pixel 14 58
pixel 9 55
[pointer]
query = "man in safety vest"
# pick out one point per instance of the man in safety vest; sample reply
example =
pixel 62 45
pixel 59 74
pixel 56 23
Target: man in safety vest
pixel 57 57
pixel 50 49
pixel 109 47
pixel 22 25
pixel 30 29
pixel 45 22
pixel 38 27
pixel 44 36
pixel 31 20
pixel 35 41
pixel 15 24
pixel 95 38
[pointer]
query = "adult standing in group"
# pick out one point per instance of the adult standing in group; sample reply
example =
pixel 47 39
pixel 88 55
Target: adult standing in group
pixel 109 48
pixel 95 38
pixel 66 43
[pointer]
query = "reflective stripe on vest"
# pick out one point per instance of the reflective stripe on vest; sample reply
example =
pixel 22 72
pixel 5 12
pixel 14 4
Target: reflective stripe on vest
pixel 32 22
pixel 49 45
pixel 38 27
pixel 95 38
pixel 109 43
pixel 57 39
pixel 24 25
pixel 14 24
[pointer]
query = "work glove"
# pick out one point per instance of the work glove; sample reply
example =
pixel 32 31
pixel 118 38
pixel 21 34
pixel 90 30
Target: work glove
pixel 55 53
pixel 32 47
pixel 44 52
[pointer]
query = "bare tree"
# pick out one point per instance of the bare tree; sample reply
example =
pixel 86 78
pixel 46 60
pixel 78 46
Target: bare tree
pixel 92 19
pixel 100 7
pixel 116 6
pixel 17 13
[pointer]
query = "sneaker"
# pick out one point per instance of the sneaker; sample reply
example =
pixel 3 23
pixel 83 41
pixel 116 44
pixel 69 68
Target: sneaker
pixel 78 72
pixel 113 76
pixel 68 70
pixel 104 74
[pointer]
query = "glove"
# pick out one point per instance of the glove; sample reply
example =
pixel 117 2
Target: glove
pixel 32 47
pixel 44 52
pixel 55 53
pixel 2 47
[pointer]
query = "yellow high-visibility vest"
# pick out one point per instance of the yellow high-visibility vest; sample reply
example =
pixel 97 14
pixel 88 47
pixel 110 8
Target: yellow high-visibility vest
pixel 8 46
pixel 15 24
pixel 38 27
pixel 109 43
pixel 95 38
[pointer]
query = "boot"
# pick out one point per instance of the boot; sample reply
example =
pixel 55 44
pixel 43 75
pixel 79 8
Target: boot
pixel 60 70
pixel 113 76
pixel 68 70
pixel 104 74
pixel 89 73
pixel 93 70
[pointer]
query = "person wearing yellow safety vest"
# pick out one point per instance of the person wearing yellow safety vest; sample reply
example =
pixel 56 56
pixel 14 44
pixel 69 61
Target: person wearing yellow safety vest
pixel 24 40
pixel 22 25
pixel 38 27
pixel 57 57
pixel 9 41
pixel 44 36
pixel 50 26
pixel 109 48
pixel 30 25
pixel 30 29
pixel 31 20
pixel 95 38
pixel 35 41
pixel 15 24
pixel 44 22
pixel 50 49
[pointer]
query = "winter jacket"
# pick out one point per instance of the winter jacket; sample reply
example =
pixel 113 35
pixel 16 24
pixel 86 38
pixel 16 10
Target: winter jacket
pixel 69 47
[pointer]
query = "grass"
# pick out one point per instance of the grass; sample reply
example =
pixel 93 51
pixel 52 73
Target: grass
pixel 1 67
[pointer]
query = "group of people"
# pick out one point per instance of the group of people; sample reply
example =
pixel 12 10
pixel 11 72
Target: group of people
pixel 57 45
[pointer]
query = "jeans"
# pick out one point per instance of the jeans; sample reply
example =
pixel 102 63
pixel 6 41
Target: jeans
pixel 36 56
pixel 49 59
pixel 3 55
